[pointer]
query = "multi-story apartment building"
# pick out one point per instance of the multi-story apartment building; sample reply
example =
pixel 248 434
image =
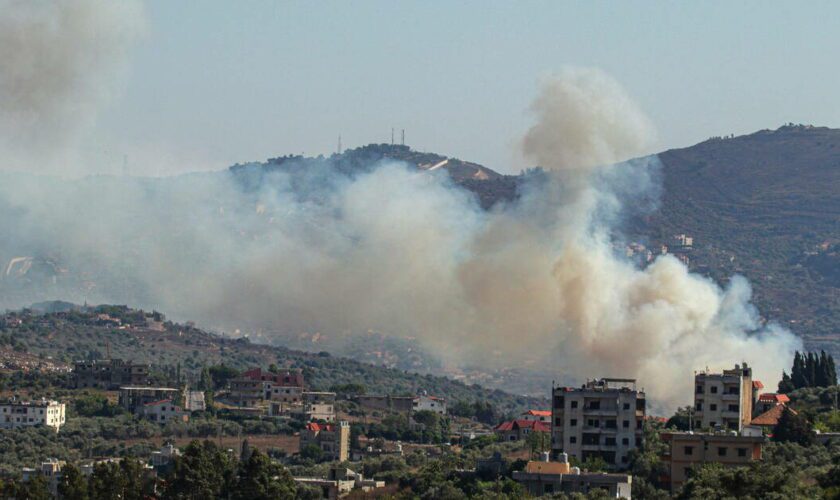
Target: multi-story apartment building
pixel 15 414
pixel 602 419
pixel 246 391
pixel 687 450
pixel 724 400
pixel 109 373
pixel 332 439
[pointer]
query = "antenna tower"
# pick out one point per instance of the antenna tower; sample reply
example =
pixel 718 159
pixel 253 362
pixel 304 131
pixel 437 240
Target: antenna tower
pixel 392 136
pixel 403 137
pixel 339 143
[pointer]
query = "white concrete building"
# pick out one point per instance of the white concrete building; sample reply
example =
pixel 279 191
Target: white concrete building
pixel 15 414
pixel 429 403
pixel 601 419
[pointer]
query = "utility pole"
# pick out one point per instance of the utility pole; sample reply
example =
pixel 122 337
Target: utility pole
pixel 403 137
pixel 392 136
pixel 339 143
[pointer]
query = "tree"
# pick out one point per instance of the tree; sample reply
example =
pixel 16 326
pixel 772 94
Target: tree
pixel 793 427
pixel 72 486
pixel 34 489
pixel 260 478
pixel 538 442
pixel 107 482
pixel 798 371
pixel 311 452
pixel 245 454
pixel 203 471
pixel 786 384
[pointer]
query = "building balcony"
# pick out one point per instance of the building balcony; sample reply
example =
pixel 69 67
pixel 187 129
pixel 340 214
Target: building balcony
pixel 730 397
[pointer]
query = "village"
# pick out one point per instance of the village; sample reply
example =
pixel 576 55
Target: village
pixel 584 441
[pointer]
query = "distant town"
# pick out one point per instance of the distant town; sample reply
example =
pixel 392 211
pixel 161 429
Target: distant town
pixel 594 439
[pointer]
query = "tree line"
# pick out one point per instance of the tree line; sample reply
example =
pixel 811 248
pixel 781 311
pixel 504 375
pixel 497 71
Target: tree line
pixel 809 370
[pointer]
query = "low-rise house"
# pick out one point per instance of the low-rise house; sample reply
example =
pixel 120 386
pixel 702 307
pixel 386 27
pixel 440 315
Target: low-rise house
pixel 538 415
pixel 194 401
pixel 429 403
pixel 134 397
pixel 770 418
pixel 163 459
pixel 332 439
pixel 51 470
pixel 341 481
pixel 687 450
pixel 768 401
pixel 162 412
pixel 517 430
pixel 316 406
pixel 546 478
pixel 14 414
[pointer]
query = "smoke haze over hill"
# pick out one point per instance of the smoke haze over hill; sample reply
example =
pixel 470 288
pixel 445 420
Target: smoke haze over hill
pixel 407 253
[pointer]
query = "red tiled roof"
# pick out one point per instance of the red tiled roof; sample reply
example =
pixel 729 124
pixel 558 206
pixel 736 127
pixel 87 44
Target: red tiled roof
pixel 770 417
pixel 769 397
pixel 313 426
pixel 155 403
pixel 538 413
pixel 523 424
pixel 757 384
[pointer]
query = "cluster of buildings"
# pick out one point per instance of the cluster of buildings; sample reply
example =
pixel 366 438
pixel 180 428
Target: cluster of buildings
pixel 604 419
pixel 402 404
pixel 109 374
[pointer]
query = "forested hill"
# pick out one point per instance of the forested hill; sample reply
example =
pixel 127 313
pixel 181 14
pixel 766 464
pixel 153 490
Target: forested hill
pixel 765 205
pixel 118 331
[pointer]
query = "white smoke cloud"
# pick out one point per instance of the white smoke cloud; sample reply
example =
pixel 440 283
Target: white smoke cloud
pixel 60 62
pixel 409 254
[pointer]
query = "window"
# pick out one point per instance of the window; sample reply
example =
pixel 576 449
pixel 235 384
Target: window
pixel 688 450
pixel 558 422
pixel 610 424
pixel 558 401
pixel 626 406
pixel 593 422
pixel 625 441
pixel 573 422
pixel 733 407
pixel 572 439
pixel 713 407
pixel 699 406
pixel 742 452
pixel 574 404
pixel 713 389
pixel 699 389
pixel 610 441
pixel 625 424
pixel 721 451
pixel 712 424
pixel 624 459
pixel 594 405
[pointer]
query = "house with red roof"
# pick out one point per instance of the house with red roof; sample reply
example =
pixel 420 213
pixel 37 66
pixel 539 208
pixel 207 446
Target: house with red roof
pixel 332 439
pixel 770 418
pixel 768 401
pixel 519 429
pixel 537 415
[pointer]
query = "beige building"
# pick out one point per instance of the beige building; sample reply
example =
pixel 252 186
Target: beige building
pixel 51 470
pixel 332 439
pixel 541 478
pixel 109 373
pixel 687 450
pixel 15 414
pixel 601 419
pixel 724 400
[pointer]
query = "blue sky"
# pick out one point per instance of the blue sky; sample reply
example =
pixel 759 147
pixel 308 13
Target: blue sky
pixel 216 82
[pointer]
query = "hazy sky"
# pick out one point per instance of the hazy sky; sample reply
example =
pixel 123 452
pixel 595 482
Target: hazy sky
pixel 216 82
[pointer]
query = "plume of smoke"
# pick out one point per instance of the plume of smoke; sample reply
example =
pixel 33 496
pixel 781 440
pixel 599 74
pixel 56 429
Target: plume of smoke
pixel 408 253
pixel 59 61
